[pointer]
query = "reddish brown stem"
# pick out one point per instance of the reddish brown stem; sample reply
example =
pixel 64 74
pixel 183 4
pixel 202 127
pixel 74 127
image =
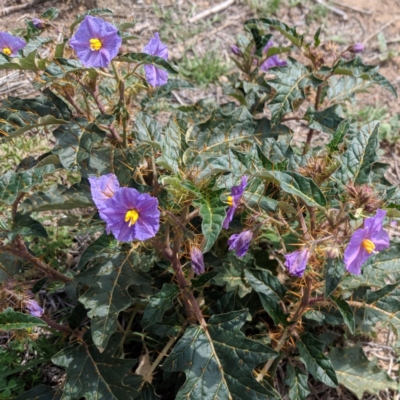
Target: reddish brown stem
pixel 311 131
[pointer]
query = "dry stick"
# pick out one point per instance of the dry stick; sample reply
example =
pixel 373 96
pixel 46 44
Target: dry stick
pixel 212 10
pixel 20 250
pixel 333 9
pixel 383 27
pixel 360 10
pixel 12 9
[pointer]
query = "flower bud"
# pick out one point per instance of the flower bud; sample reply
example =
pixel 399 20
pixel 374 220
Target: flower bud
pixel 333 252
pixel 357 48
pixel 197 260
pixel 236 51
pixel 38 23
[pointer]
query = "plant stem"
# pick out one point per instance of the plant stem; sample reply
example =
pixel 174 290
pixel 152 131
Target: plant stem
pixel 311 131
pixel 20 250
pixel 164 351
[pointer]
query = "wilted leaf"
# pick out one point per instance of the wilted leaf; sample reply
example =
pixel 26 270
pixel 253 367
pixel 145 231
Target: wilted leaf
pixel 220 361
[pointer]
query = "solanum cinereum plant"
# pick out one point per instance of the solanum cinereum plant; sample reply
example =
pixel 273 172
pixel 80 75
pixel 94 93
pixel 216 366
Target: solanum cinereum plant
pixel 219 252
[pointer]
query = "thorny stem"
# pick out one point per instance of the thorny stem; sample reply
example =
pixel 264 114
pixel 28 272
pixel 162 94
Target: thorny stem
pixel 164 351
pixel 61 328
pixel 20 250
pixel 305 301
pixel 15 204
pixel 128 328
pixel 71 100
pixel 311 131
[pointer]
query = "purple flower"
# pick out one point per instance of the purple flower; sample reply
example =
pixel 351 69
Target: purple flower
pixel 240 242
pixel 357 48
pixel 38 23
pixel 235 50
pixel 10 45
pixel 96 42
pixel 130 215
pixel 103 188
pixel 154 75
pixel 197 259
pixel 366 241
pixel 233 201
pixel 273 61
pixel 34 308
pixel 296 262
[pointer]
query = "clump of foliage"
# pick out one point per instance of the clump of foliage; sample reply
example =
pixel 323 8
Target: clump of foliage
pixel 216 252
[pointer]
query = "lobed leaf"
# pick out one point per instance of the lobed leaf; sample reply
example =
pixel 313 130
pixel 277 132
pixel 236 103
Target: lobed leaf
pixel 10 319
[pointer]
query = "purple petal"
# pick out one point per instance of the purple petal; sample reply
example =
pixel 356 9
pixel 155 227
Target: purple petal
pixel 114 210
pixel 14 43
pixel 34 308
pixel 240 242
pixel 271 62
pixel 381 240
pixel 235 50
pixel 355 255
pixel 156 48
pixel 357 48
pixel 38 23
pixel 296 262
pixel 374 224
pixel 267 46
pixel 103 188
pixel 229 217
pixel 155 76
pixel 197 260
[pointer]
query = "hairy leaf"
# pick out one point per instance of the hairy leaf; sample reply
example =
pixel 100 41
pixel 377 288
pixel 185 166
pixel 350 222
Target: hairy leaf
pixel 317 363
pixel 270 291
pixel 297 381
pixel 108 281
pixel 347 313
pixel 10 319
pixel 91 373
pixel 158 304
pixel 219 362
pixel 357 373
pixel 326 120
pixel 338 136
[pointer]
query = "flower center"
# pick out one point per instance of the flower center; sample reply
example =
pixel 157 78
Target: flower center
pixel 229 201
pixel 131 216
pixel 368 246
pixel 7 51
pixel 95 44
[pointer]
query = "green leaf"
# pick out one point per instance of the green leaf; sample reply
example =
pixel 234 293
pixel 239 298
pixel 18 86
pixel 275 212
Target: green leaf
pixel 357 373
pixel 203 279
pixel 339 135
pixel 383 306
pixel 58 197
pixel 285 30
pixel 220 361
pixel 296 184
pixel 10 319
pixel 231 274
pixel 74 141
pixel 11 183
pixel 333 274
pixel 108 281
pixel 50 14
pixel 327 120
pixel 9 266
pixel 212 211
pixel 41 392
pixel 60 68
pixel 148 129
pixel 91 373
pixel 270 291
pixel 100 245
pixel 25 225
pixel 317 363
pixel 357 69
pixel 144 58
pixel 347 313
pixel 297 381
pixel 357 160
pixel 158 304
pixel 289 85
pixel 345 88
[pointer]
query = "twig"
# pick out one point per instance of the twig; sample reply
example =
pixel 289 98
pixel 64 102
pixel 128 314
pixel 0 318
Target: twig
pixel 333 9
pixel 360 10
pixel 13 9
pixel 58 327
pixel 212 10
pixel 20 250
pixel 15 204
pixel 383 27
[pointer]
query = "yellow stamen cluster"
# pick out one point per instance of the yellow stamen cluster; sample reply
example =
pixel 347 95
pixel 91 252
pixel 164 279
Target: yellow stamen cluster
pixel 7 51
pixel 229 201
pixel 131 216
pixel 95 44
pixel 368 246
